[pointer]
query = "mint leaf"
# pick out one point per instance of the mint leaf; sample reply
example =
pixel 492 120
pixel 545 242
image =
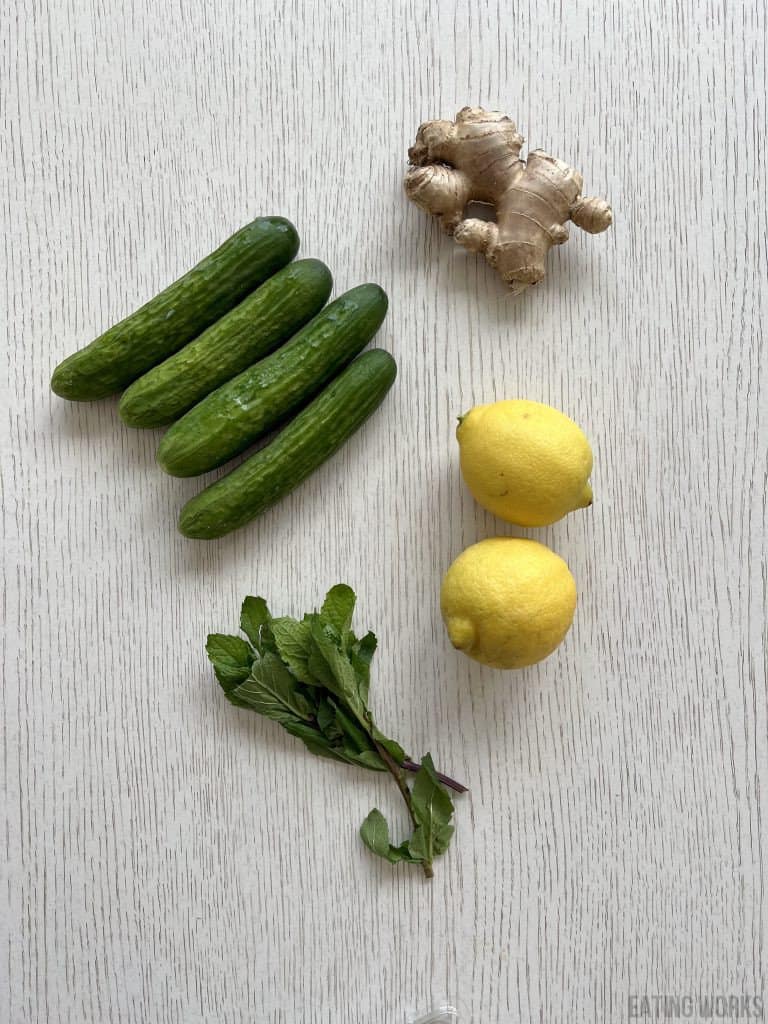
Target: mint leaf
pixel 360 655
pixel 346 736
pixel 271 690
pixel 424 848
pixel 326 720
pixel 231 658
pixel 430 801
pixel 293 641
pixel 358 738
pixel 417 845
pixel 253 615
pixel 375 834
pixel 313 740
pixel 366 648
pixel 319 670
pixel 338 608
pixel 441 839
pixel 403 853
pixel 339 677
pixel 365 759
pixel 433 809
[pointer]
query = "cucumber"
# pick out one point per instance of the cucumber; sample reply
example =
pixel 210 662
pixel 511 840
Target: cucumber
pixel 262 321
pixel 178 314
pixel 311 438
pixel 243 410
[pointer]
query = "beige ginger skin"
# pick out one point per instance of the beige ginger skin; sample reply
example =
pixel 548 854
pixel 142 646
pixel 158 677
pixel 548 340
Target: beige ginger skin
pixel 476 158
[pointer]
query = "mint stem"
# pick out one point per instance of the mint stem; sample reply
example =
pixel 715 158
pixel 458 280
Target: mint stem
pixel 397 773
pixel 457 787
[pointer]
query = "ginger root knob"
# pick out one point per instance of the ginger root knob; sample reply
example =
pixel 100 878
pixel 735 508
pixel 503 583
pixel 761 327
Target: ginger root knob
pixel 476 158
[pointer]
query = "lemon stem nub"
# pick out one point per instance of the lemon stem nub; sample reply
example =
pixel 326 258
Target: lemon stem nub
pixel 586 496
pixel 461 633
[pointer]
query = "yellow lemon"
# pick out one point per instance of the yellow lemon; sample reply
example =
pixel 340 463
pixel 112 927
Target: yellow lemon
pixel 508 602
pixel 524 461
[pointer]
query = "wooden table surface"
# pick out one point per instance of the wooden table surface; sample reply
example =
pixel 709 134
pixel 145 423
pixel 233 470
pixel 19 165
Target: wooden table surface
pixel 171 860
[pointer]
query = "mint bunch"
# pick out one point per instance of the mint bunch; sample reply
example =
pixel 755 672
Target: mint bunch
pixel 313 677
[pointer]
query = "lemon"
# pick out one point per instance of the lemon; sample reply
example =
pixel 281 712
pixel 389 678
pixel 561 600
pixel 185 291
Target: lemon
pixel 524 461
pixel 508 602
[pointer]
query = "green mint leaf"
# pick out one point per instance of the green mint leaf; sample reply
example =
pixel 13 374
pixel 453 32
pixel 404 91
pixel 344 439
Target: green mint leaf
pixel 417 845
pixel 338 608
pixel 319 671
pixel 338 676
pixel 313 740
pixel 358 738
pixel 293 641
pixel 365 759
pixel 231 658
pixel 253 615
pixel 319 744
pixel 360 655
pixel 422 848
pixel 441 838
pixel 403 853
pixel 366 648
pixel 326 720
pixel 272 691
pixel 375 834
pixel 433 809
pixel 346 736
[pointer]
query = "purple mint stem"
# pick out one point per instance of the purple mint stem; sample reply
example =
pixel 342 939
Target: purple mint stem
pixel 457 787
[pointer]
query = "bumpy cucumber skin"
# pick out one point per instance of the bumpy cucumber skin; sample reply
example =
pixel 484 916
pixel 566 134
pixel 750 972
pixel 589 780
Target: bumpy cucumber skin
pixel 179 313
pixel 240 412
pixel 265 319
pixel 304 445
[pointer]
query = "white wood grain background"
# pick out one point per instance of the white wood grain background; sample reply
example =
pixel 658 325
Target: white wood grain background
pixel 170 860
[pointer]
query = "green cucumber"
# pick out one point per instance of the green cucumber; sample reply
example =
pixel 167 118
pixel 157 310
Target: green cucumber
pixel 311 438
pixel 178 314
pixel 247 407
pixel 262 321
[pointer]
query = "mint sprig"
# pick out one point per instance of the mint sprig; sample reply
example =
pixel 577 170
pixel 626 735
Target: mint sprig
pixel 312 676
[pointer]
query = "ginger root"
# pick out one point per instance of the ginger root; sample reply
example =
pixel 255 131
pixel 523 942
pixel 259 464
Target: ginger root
pixel 476 158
